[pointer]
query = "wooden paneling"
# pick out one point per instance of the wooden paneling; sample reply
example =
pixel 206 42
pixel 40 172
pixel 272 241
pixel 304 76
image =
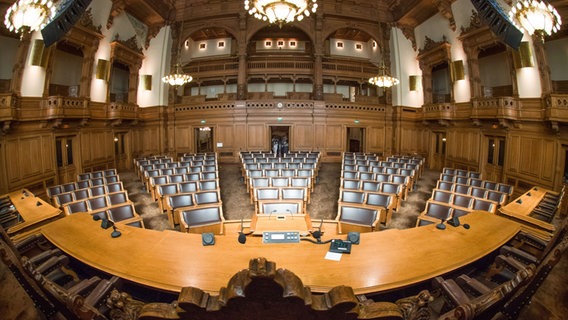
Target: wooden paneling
pixel 547 159
pixel 225 134
pixel 303 137
pixel 97 146
pixel 257 137
pixel 29 159
pixel 183 138
pixel 376 139
pixel 334 137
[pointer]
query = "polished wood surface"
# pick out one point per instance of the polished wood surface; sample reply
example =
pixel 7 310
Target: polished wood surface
pixel 384 260
pixel 32 209
pixel 521 208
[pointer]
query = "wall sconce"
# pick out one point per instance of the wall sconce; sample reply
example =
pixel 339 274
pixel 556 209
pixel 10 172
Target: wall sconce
pixel 103 69
pixel 146 81
pixel 457 70
pixel 522 58
pixel 38 54
pixel 413 83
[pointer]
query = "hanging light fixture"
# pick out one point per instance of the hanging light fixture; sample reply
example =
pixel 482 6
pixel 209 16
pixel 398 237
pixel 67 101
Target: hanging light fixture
pixel 536 17
pixel 280 11
pixel 383 79
pixel 29 15
pixel 178 78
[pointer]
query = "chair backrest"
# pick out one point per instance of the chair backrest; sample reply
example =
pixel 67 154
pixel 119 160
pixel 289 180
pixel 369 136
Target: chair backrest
pixel 114 187
pixel 68 187
pixel 441 196
pixel 97 203
pixel 462 188
pixel 81 194
pixel 110 172
pixel 478 192
pixel 382 177
pixel 505 188
pixel 496 196
pixel 485 205
pixel 299 182
pixel 120 213
pixel 460 212
pixel 111 179
pixel 462 180
pixel 350 175
pixel 379 199
pixel 370 185
pixel 209 175
pixel 280 181
pixel 390 187
pixel 206 197
pixel 462 201
pixel 77 206
pixel 82 184
pixel 175 178
pixel 260 182
pixel 97 174
pixel 97 181
pixel 363 216
pixel 208 185
pixel 63 198
pixel 180 200
pixel 188 186
pixel 489 185
pixel 447 177
pixel 280 207
pixel 54 190
pixel 158 180
pixel 396 178
pixel 473 174
pixel 193 176
pixel 267 193
pixel 475 182
pixel 294 193
pixel 444 185
pixel 181 170
pixel 83 176
pixel 439 211
pixel 97 191
pixel 352 196
pixel 166 171
pixel 201 216
pixel 117 198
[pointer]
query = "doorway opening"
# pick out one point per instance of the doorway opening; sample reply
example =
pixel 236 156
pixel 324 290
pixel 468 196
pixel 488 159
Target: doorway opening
pixel 279 140
pixel 204 139
pixel 355 139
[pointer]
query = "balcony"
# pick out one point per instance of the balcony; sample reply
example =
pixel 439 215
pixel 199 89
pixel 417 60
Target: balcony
pixel 495 108
pixel 59 107
pixel 8 104
pixel 121 110
pixel 439 111
pixel 556 109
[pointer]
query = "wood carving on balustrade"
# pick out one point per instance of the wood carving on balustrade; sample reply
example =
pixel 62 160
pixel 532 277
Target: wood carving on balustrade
pixel 264 292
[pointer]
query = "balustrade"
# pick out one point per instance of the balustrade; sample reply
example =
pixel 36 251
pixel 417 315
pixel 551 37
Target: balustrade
pixel 439 111
pixel 65 107
pixel 556 107
pixel 495 108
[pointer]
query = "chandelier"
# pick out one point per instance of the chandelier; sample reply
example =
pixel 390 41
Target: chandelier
pixel 178 78
pixel 536 17
pixel 29 15
pixel 280 11
pixel 383 79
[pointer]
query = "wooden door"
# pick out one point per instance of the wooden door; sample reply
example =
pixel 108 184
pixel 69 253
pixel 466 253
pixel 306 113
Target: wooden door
pixel 438 154
pixel 495 158
pixel 66 156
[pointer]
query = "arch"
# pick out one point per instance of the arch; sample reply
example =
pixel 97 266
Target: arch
pixel 374 34
pixel 257 26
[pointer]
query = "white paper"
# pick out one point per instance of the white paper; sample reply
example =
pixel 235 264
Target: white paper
pixel 333 256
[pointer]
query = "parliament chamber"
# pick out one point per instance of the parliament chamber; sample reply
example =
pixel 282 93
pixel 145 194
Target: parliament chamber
pixel 357 160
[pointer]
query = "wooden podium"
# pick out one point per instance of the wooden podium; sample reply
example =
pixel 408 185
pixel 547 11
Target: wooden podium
pixel 280 222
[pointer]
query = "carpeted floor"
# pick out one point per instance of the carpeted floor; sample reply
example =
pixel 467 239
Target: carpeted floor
pixel 236 201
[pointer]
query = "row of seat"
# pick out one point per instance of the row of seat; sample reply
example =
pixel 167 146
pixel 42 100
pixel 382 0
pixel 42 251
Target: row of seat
pixel 436 212
pixel 162 190
pixel 9 215
pixel 96 174
pixel 287 155
pixel 280 194
pixel 60 199
pixel 405 178
pixel 95 204
pixel 174 203
pixel 199 177
pixel 397 189
pixel 78 185
pixel 478 192
pixel 461 172
pixel 475 182
pixel 384 202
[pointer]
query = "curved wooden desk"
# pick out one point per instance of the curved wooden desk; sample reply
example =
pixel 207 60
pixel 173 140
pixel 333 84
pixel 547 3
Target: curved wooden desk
pixel 384 260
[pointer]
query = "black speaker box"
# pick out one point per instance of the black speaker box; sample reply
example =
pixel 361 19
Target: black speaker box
pixel 493 15
pixel 68 13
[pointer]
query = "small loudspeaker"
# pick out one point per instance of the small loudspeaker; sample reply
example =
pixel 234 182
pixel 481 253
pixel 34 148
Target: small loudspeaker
pixel 66 16
pixel 207 239
pixel 103 69
pixel 38 54
pixel 353 237
pixel 522 58
pixel 412 83
pixel 146 80
pixel 457 70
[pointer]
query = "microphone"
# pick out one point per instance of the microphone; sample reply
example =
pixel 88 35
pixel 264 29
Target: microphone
pixel 317 234
pixel 106 223
pixel 441 225
pixel 242 237
pixel 455 222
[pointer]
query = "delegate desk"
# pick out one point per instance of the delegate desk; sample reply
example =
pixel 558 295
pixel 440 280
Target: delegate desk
pixel 521 208
pixel 384 260
pixel 32 209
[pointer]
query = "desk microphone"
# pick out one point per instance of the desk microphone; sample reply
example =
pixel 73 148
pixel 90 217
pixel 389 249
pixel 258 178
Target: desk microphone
pixel 317 234
pixel 441 225
pixel 242 237
pixel 106 223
